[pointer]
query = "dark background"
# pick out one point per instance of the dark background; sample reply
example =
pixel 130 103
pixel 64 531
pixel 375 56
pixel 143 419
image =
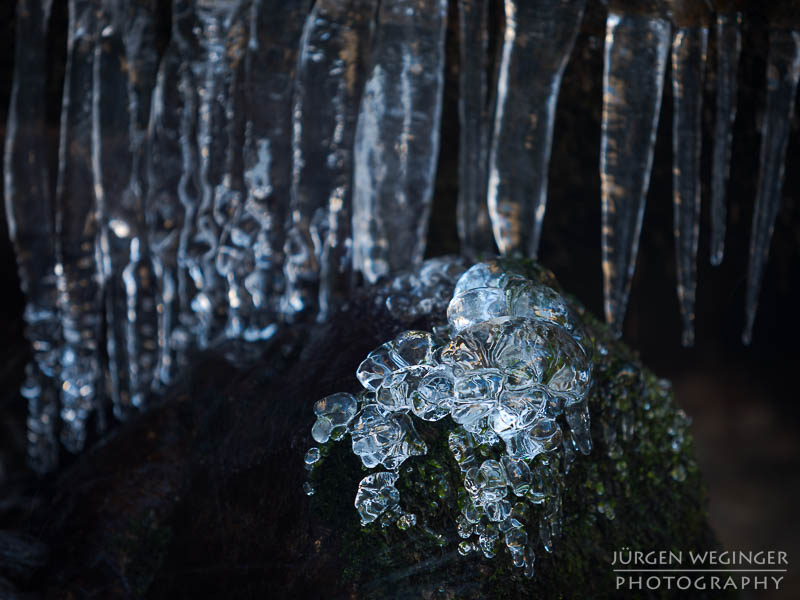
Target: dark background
pixel 744 400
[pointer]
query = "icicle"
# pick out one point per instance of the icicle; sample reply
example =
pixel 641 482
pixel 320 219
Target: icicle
pixel 729 46
pixel 538 40
pixel 688 66
pixel 215 46
pixel 474 227
pixel 635 58
pixel 77 229
pixel 125 64
pixel 397 138
pixel 259 225
pixel 783 71
pixel 327 88
pixel 29 214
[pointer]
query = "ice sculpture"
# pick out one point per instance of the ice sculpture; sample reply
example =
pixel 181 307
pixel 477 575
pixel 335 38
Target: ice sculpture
pixel 688 69
pixel 125 66
pixel 636 49
pixel 474 227
pixel 508 375
pixel 29 213
pixel 783 72
pixel 729 46
pixel 77 227
pixel 328 85
pixel 397 137
pixel 537 43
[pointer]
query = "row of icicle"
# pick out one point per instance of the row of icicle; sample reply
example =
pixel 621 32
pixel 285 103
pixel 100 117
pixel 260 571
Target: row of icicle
pixel 245 176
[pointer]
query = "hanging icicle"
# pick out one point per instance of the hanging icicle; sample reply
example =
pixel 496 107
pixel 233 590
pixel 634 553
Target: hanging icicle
pixel 538 41
pixel 783 71
pixel 689 47
pixel 77 226
pixel 636 48
pixel 125 65
pixel 29 214
pixel 327 91
pixel 474 226
pixel 259 226
pixel 397 138
pixel 729 46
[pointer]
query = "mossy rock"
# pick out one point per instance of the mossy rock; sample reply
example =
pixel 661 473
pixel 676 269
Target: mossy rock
pixel 202 496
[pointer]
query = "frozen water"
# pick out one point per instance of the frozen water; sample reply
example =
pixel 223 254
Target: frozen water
pixel 376 494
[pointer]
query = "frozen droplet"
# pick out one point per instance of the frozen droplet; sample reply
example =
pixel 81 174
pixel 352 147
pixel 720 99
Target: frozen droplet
pixel 312 456
pixel 376 493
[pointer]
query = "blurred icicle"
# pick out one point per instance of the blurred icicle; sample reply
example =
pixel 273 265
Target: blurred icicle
pixel 216 43
pixel 397 138
pixel 729 46
pixel 327 89
pixel 688 65
pixel 636 48
pixel 474 226
pixel 29 214
pixel 125 65
pixel 165 161
pixel 259 224
pixel 783 71
pixel 538 41
pixel 77 227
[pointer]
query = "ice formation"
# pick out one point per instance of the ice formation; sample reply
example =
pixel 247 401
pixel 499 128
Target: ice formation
pixel 511 370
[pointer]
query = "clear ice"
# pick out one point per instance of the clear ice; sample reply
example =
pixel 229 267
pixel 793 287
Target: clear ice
pixel 783 72
pixel 729 47
pixel 397 138
pixel 688 66
pixel 538 40
pixel 636 48
pixel 328 84
pixel 504 380
pixel 474 227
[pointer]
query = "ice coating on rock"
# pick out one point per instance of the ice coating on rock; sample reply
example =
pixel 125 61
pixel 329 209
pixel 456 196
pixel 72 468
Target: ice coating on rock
pixel 688 74
pixel 783 72
pixel 504 382
pixel 424 290
pixel 635 59
pixel 537 42
pixel 476 306
pixel 397 138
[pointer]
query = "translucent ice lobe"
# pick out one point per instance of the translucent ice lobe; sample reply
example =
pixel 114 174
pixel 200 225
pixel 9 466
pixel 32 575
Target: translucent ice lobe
pixel 397 137
pixel 688 66
pixel 327 89
pixel 29 214
pixel 635 58
pixel 783 71
pixel 77 233
pixel 538 40
pixel 474 227
pixel 125 63
pixel 729 46
pixel 376 493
